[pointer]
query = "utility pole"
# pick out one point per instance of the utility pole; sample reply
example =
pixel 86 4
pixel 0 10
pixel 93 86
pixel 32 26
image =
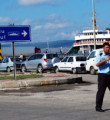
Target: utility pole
pixel 47 46
pixel 94 25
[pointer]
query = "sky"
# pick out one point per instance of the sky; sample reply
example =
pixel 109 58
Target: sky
pixel 52 20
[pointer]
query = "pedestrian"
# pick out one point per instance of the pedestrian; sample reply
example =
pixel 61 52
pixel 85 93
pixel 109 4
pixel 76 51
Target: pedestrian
pixel 103 64
pixel 20 56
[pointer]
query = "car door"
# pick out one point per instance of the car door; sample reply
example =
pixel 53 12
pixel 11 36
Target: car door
pixel 30 62
pixel 4 64
pixel 91 60
pixel 1 64
pixel 62 65
pixel 37 60
pixel 69 63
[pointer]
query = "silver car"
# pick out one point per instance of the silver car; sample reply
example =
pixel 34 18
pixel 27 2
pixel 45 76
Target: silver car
pixel 6 64
pixel 40 62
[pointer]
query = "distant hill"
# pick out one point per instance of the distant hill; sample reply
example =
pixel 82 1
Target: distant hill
pixel 50 44
pixel 28 48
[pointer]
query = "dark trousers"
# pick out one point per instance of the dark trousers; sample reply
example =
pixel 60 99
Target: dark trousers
pixel 103 83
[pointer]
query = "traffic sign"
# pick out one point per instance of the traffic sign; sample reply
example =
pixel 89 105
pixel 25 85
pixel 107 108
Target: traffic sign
pixel 15 33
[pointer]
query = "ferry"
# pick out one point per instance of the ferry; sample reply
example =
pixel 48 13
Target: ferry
pixel 85 41
pixel 89 40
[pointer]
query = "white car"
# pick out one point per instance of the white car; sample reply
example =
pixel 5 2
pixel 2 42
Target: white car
pixel 74 64
pixel 6 64
pixel 91 61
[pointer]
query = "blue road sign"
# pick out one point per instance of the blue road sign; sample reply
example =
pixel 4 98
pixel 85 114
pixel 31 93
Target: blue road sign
pixel 15 33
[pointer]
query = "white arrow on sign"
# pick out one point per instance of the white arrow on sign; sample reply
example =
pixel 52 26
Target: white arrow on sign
pixel 24 33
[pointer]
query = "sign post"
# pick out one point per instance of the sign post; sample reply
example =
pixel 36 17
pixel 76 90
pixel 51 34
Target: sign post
pixel 14 62
pixel 0 52
pixel 15 34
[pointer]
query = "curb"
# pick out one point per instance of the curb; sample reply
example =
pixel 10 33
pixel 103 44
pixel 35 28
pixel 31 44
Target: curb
pixel 10 85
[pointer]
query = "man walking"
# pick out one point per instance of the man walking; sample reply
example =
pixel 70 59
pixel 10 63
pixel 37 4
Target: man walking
pixel 103 64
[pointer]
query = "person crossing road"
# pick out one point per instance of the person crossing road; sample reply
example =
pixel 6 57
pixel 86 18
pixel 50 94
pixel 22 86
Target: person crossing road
pixel 103 64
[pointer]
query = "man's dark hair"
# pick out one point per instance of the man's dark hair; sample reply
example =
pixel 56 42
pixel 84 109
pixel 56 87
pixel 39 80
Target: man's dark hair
pixel 105 43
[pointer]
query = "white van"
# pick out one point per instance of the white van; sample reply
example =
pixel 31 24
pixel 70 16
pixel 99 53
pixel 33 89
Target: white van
pixel 91 61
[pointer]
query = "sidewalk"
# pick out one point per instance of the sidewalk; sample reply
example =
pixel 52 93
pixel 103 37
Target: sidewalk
pixel 48 79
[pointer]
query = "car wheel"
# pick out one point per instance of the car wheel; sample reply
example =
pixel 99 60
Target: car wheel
pixel 39 69
pixel 8 69
pixel 23 69
pixel 92 71
pixel 74 70
pixel 56 70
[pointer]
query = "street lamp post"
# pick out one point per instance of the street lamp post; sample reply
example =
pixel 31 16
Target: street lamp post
pixel 94 25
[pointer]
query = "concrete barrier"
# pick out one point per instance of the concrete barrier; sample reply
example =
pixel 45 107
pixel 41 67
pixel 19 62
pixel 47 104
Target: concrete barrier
pixel 18 84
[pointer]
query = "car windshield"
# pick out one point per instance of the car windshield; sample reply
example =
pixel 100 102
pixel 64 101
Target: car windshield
pixel 51 56
pixel 1 61
pixel 80 58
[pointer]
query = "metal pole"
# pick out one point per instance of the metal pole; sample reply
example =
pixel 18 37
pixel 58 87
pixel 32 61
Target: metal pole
pixel 48 46
pixel 94 27
pixel 14 64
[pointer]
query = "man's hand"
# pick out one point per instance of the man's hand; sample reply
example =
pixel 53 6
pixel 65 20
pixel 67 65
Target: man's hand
pixel 103 61
pixel 108 58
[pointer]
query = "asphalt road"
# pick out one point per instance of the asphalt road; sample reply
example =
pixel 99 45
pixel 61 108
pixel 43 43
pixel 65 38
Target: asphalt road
pixel 89 78
pixel 64 102
pixel 77 103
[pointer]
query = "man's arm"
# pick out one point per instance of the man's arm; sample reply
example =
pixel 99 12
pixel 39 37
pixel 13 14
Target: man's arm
pixel 102 62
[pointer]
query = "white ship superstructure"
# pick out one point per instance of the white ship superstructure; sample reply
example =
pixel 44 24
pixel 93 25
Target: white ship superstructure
pixel 85 40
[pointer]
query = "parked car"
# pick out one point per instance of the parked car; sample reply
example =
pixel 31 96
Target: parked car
pixel 19 62
pixel 40 62
pixel 91 61
pixel 6 64
pixel 74 64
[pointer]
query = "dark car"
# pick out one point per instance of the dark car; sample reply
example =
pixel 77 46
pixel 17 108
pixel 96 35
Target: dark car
pixel 19 61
